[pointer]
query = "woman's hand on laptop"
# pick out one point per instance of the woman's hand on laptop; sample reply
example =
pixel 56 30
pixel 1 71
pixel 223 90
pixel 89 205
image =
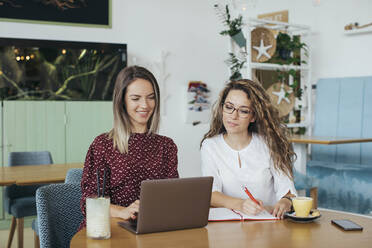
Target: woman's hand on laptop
pixel 130 211
pixel 125 213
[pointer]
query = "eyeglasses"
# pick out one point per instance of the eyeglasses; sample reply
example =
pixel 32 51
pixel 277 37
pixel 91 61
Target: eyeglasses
pixel 243 112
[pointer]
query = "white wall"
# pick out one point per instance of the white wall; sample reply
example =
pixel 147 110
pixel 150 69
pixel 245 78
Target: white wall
pixel 189 31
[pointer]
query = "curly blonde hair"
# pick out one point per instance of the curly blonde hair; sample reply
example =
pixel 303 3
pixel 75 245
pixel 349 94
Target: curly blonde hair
pixel 266 125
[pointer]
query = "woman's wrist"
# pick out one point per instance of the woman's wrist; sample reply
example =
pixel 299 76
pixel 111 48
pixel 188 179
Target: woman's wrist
pixel 238 204
pixel 117 211
pixel 235 204
pixel 289 200
pixel 221 200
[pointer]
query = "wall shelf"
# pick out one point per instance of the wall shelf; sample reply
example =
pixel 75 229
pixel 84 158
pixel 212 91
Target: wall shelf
pixel 304 104
pixel 275 25
pixel 300 124
pixel 270 67
pixel 358 31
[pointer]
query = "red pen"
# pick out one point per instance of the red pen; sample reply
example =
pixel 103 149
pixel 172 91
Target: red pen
pixel 250 195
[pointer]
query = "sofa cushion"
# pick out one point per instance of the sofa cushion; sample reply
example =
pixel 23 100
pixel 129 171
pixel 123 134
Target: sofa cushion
pixel 343 186
pixel 343 109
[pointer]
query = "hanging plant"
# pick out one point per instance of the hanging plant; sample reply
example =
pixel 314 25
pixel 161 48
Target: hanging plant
pixel 236 65
pixel 283 76
pixel 288 52
pixel 234 25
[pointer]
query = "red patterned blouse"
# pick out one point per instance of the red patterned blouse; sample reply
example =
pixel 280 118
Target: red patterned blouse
pixel 149 157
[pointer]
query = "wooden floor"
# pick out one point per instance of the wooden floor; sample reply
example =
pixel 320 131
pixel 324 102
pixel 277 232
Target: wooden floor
pixel 28 238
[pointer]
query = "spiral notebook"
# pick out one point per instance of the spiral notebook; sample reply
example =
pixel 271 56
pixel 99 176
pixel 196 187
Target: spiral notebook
pixel 225 214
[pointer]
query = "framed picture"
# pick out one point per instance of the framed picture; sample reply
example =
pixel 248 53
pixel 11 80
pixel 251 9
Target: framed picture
pixel 94 13
pixel 59 70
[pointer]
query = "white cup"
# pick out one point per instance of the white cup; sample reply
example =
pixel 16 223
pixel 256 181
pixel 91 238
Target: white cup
pixel 98 217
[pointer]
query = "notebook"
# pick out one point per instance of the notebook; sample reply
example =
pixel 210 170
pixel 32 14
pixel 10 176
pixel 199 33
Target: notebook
pixel 172 204
pixel 225 214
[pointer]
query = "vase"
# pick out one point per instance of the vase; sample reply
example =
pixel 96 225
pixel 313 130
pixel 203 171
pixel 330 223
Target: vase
pixel 284 53
pixel 239 39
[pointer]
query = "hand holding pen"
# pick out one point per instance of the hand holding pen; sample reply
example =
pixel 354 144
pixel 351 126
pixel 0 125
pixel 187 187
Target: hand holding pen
pixel 251 206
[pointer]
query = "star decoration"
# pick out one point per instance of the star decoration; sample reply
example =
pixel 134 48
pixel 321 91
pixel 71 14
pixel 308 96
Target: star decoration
pixel 262 50
pixel 282 94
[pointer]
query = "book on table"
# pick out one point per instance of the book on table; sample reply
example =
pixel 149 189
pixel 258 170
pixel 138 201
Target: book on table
pixel 225 214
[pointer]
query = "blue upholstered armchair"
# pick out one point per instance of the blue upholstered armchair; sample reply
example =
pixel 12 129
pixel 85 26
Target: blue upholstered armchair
pixel 19 201
pixel 59 214
pixel 73 176
pixel 344 171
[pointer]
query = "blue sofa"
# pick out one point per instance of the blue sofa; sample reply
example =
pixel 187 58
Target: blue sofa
pixel 344 172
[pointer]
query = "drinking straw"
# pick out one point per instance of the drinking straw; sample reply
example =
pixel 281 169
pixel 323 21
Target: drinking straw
pixel 98 182
pixel 104 182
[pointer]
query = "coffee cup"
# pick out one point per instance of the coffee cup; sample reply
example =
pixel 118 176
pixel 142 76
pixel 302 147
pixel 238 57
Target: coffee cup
pixel 302 206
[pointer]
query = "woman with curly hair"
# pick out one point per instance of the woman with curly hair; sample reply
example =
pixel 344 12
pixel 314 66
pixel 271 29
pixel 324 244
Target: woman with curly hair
pixel 247 147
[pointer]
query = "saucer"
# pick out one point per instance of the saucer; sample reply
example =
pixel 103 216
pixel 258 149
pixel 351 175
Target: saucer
pixel 292 216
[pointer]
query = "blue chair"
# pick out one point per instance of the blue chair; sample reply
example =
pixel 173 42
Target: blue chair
pixel 72 176
pixel 59 215
pixel 19 201
pixel 35 227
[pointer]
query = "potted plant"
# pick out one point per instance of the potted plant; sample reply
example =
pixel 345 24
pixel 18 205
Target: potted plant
pixel 234 26
pixel 287 45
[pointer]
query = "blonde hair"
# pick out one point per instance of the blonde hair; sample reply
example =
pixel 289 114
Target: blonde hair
pixel 267 123
pixel 122 130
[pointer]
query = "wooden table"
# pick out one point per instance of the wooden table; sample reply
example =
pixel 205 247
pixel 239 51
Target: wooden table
pixel 35 174
pixel 301 142
pixel 285 233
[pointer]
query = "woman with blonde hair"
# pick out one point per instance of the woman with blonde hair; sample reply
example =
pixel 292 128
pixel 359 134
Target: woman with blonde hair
pixel 247 148
pixel 132 151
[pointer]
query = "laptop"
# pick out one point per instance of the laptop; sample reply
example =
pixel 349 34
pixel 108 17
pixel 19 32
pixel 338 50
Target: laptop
pixel 172 204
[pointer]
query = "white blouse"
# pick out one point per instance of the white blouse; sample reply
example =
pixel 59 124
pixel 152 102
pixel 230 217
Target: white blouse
pixel 257 171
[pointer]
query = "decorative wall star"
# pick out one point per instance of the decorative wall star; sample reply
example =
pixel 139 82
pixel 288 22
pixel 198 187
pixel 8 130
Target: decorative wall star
pixel 282 94
pixel 262 50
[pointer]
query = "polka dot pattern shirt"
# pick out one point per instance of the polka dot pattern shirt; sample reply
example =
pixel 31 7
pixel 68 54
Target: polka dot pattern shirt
pixel 149 157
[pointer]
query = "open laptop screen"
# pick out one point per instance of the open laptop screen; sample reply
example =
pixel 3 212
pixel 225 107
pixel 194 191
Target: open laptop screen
pixel 172 204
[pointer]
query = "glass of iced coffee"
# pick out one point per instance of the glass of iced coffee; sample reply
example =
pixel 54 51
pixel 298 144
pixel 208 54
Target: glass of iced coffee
pixel 98 217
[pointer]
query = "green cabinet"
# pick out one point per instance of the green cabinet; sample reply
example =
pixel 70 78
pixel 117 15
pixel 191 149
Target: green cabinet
pixel 66 129
pixel 34 126
pixel 85 120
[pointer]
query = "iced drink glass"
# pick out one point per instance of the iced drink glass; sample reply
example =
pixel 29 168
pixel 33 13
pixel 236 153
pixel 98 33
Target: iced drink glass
pixel 98 217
